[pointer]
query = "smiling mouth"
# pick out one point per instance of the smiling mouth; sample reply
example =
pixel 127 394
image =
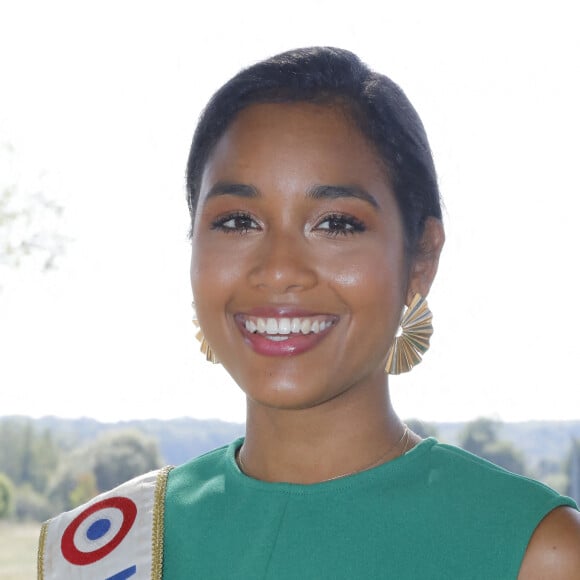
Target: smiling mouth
pixel 282 329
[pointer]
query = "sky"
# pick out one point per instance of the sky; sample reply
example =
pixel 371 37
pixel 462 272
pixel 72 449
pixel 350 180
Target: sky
pixel 99 101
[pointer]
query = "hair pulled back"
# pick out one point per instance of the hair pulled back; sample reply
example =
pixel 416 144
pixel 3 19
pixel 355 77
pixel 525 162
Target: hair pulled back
pixel 327 75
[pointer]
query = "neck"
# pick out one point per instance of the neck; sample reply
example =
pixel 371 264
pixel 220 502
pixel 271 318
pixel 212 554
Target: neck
pixel 331 440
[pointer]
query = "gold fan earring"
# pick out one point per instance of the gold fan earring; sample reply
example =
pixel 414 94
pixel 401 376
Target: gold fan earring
pixel 204 347
pixel 413 340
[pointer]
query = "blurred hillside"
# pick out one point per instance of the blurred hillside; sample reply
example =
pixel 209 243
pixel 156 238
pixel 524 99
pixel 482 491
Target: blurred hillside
pixel 50 464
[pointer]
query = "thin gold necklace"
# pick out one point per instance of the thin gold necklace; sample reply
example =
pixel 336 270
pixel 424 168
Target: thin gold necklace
pixel 405 436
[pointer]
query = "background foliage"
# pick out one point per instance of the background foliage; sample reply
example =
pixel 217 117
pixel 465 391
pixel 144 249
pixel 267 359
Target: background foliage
pixel 29 216
pixel 50 465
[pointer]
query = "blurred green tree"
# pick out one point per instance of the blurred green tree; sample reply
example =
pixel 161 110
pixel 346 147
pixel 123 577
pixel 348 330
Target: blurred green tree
pixel 85 489
pixel 25 455
pixel 121 456
pixel 481 437
pixel 111 459
pixel 30 505
pixel 6 496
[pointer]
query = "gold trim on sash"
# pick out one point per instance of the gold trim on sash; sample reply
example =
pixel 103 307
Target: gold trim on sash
pixel 159 524
pixel 40 554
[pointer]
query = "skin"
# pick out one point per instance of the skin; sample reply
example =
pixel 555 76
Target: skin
pixel 261 239
pixel 554 550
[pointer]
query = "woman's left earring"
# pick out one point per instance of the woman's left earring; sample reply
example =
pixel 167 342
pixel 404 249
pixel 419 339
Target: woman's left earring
pixel 411 344
pixel 204 347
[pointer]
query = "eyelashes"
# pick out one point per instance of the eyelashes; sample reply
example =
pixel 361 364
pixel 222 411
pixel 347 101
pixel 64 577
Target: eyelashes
pixel 336 224
pixel 237 222
pixel 340 224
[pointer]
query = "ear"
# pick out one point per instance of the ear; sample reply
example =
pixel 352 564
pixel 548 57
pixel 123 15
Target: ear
pixel 426 259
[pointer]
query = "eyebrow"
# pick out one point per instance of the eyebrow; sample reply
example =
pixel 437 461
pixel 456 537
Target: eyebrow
pixel 315 192
pixel 227 188
pixel 337 191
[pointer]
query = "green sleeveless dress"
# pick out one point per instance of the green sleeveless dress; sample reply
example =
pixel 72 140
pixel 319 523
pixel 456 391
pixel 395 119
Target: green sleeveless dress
pixel 435 513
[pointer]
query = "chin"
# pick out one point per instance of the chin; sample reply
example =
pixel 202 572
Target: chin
pixel 287 392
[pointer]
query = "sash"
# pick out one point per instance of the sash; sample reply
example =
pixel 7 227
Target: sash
pixel 115 536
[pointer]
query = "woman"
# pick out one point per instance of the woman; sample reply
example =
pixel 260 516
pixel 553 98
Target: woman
pixel 316 222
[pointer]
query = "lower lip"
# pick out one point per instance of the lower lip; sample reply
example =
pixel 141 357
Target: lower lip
pixel 293 345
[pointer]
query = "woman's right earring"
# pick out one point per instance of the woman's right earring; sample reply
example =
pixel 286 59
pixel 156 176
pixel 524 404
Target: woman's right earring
pixel 416 330
pixel 204 347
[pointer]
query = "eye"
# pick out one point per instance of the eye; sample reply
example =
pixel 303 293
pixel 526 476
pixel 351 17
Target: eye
pixel 237 222
pixel 340 224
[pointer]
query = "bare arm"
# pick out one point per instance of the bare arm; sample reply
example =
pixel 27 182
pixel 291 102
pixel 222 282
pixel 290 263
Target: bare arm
pixel 554 550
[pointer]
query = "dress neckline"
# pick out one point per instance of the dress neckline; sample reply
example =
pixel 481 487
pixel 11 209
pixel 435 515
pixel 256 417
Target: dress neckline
pixel 383 473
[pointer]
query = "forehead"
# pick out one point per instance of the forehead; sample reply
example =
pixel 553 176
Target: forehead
pixel 272 140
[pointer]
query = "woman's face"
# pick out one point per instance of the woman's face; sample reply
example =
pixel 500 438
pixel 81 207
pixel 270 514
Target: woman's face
pixel 298 267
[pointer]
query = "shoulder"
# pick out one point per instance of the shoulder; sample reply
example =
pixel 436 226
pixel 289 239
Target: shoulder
pixel 213 459
pixel 502 489
pixel 554 549
pixel 525 509
pixel 210 466
pixel 461 464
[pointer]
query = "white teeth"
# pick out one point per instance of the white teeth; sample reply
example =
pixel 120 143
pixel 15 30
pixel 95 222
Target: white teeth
pixel 280 328
pixel 276 337
pixel 271 326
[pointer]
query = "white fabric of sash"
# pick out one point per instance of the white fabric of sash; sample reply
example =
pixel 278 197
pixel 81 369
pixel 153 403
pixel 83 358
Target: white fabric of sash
pixel 108 538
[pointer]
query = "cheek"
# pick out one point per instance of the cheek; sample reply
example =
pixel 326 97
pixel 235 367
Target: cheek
pixel 369 274
pixel 213 269
pixel 213 278
pixel 371 287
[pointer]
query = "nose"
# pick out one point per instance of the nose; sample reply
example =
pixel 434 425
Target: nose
pixel 283 264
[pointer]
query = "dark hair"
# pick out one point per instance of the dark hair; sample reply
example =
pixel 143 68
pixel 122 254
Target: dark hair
pixel 332 76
